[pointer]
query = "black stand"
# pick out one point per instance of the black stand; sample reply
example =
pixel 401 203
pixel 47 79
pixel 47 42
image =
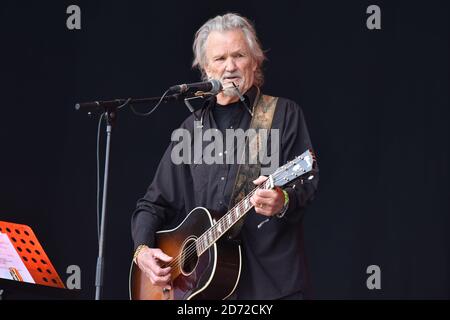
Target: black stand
pixel 15 290
pixel 110 109
pixel 110 116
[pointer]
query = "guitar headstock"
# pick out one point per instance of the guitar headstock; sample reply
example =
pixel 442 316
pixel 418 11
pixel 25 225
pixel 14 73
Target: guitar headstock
pixel 301 166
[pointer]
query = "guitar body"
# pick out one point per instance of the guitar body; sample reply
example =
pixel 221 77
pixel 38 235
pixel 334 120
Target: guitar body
pixel 212 275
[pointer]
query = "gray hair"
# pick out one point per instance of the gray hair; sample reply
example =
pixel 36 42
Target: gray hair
pixel 229 21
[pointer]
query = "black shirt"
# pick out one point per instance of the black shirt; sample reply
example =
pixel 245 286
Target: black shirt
pixel 274 263
pixel 228 116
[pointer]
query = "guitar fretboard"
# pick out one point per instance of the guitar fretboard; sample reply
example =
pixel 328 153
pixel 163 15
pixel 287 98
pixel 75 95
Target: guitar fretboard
pixel 213 234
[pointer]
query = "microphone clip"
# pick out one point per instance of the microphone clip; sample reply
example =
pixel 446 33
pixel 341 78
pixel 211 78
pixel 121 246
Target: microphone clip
pixel 195 96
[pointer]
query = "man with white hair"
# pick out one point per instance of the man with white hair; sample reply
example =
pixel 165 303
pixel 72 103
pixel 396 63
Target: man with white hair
pixel 226 48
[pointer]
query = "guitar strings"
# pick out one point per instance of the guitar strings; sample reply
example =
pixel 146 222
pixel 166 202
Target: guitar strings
pixel 192 249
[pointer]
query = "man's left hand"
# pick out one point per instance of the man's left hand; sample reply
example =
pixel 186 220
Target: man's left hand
pixel 267 202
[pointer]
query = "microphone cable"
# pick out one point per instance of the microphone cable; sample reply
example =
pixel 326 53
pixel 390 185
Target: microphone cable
pixel 146 114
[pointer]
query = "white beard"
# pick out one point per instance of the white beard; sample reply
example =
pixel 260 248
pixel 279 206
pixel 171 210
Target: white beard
pixel 230 92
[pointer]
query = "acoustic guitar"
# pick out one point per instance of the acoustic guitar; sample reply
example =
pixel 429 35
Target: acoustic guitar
pixel 207 263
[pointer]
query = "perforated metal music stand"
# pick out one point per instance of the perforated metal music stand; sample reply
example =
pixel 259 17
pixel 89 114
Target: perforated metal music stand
pixel 32 254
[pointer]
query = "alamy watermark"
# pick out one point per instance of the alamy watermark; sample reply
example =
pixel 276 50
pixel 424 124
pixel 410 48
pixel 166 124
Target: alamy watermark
pixel 74 279
pixel 237 147
pixel 374 280
pixel 373 22
pixel 73 21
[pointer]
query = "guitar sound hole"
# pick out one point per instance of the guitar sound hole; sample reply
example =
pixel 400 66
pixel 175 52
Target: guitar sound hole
pixel 189 257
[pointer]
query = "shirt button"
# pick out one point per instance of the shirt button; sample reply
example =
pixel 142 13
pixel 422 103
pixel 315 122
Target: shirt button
pixel 231 127
pixel 220 154
pixel 222 178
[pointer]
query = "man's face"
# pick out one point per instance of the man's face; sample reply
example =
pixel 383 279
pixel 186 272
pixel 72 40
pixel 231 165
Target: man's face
pixel 228 59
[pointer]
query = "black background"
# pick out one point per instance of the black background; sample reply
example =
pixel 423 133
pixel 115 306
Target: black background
pixel 376 103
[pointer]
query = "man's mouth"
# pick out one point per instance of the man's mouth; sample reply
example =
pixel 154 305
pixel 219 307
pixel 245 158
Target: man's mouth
pixel 231 79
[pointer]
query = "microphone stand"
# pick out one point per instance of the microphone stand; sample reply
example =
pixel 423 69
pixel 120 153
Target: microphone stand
pixel 110 109
pixel 110 118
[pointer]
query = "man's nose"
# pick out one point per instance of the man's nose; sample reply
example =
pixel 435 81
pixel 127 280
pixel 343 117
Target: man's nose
pixel 230 65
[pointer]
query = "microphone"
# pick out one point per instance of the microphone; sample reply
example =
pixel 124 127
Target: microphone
pixel 212 86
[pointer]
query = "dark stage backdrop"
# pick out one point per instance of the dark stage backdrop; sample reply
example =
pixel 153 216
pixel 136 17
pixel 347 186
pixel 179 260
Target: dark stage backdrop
pixel 376 102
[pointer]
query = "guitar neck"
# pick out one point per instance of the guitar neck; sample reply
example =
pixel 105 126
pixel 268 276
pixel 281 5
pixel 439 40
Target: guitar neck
pixel 291 171
pixel 229 219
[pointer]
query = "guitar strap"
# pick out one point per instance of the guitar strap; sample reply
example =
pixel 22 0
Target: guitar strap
pixel 263 111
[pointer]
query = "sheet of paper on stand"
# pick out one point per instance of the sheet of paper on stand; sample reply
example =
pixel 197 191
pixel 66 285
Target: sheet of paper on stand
pixel 11 265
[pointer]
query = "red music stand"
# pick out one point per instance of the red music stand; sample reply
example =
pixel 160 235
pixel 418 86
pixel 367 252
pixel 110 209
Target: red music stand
pixel 32 254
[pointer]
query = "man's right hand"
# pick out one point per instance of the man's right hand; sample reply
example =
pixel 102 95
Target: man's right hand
pixel 149 261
